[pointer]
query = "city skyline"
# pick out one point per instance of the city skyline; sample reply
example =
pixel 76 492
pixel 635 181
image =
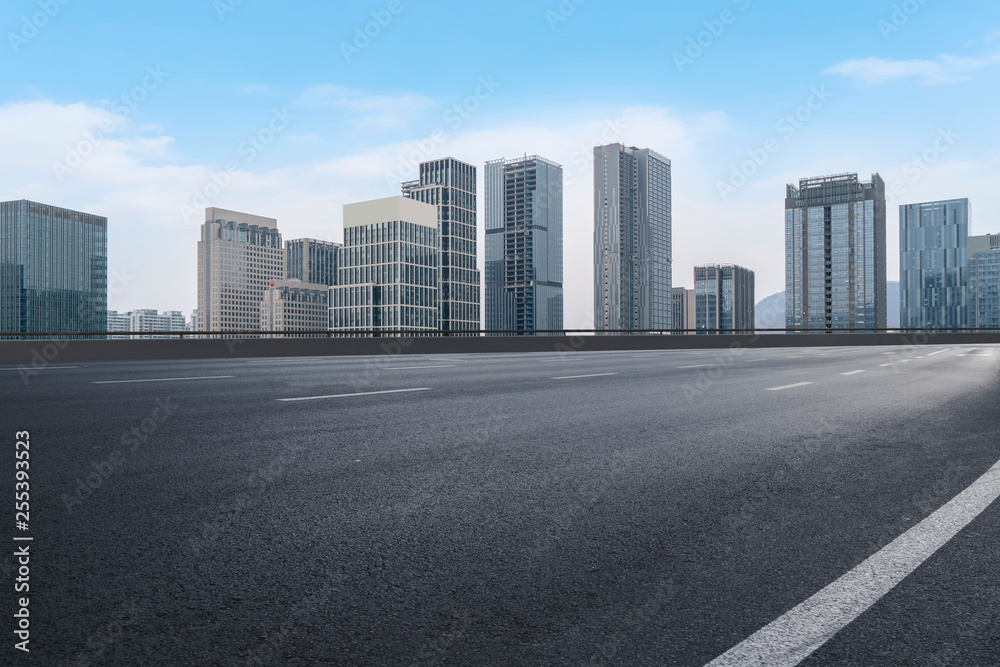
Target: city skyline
pixel 352 139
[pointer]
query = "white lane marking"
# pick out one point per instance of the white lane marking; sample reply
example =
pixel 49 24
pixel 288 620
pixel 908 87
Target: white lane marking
pixel 884 365
pixel 698 366
pixel 410 368
pixel 791 386
pixel 557 361
pixel 853 373
pixel 904 361
pixel 213 377
pixel 364 393
pixel 938 352
pixel 793 637
pixel 579 377
pixel 44 368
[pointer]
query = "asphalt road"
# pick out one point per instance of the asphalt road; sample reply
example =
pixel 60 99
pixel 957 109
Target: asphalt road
pixel 538 509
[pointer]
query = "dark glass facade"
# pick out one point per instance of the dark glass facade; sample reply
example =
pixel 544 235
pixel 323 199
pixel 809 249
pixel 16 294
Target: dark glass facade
pixel 724 298
pixel 450 185
pixel 312 261
pixel 835 249
pixel 933 265
pixel 53 269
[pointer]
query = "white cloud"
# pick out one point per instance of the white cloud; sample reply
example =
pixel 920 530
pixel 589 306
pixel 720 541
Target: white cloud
pixel 944 69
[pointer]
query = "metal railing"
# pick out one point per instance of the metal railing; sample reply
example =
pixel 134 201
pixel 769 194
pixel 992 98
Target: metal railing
pixel 423 333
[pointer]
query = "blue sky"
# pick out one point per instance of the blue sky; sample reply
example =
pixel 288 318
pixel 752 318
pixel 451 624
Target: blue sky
pixel 887 81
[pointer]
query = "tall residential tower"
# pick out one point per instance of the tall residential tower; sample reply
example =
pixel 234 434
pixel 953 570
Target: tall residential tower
pixel 450 185
pixel 835 253
pixel 524 245
pixel 632 239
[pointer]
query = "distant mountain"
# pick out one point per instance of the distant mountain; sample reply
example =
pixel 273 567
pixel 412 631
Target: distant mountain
pixel 770 313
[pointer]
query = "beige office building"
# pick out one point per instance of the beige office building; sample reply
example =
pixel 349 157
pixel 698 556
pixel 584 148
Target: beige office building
pixel 239 256
pixel 295 306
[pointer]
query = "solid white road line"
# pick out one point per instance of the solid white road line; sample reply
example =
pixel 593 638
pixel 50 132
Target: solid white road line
pixel 364 393
pixel 410 368
pixel 578 377
pixel 43 368
pixel 213 377
pixel 557 361
pixel 797 634
pixel 791 386
pixel 853 373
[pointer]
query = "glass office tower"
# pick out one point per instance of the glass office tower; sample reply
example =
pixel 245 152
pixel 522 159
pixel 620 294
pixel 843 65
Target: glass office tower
pixel 835 253
pixel 312 261
pixel 451 186
pixel 724 298
pixel 632 228
pixel 53 269
pixel 524 245
pixel 984 281
pixel 388 269
pixel 934 264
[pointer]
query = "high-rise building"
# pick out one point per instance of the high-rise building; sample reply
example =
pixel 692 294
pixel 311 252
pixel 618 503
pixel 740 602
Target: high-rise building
pixel 524 245
pixel 984 281
pixel 724 298
pixel 934 265
pixel 292 305
pixel 835 253
pixel 312 261
pixel 450 185
pixel 632 239
pixel 388 269
pixel 684 308
pixel 53 270
pixel 238 257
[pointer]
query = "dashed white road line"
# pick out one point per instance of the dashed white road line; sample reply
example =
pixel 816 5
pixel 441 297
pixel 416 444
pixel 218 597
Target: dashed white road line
pixel 853 373
pixel 579 377
pixel 214 377
pixel 938 352
pixel 43 368
pixel 791 386
pixel 797 634
pixel 411 368
pixel 364 393
pixel 681 368
pixel 884 365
